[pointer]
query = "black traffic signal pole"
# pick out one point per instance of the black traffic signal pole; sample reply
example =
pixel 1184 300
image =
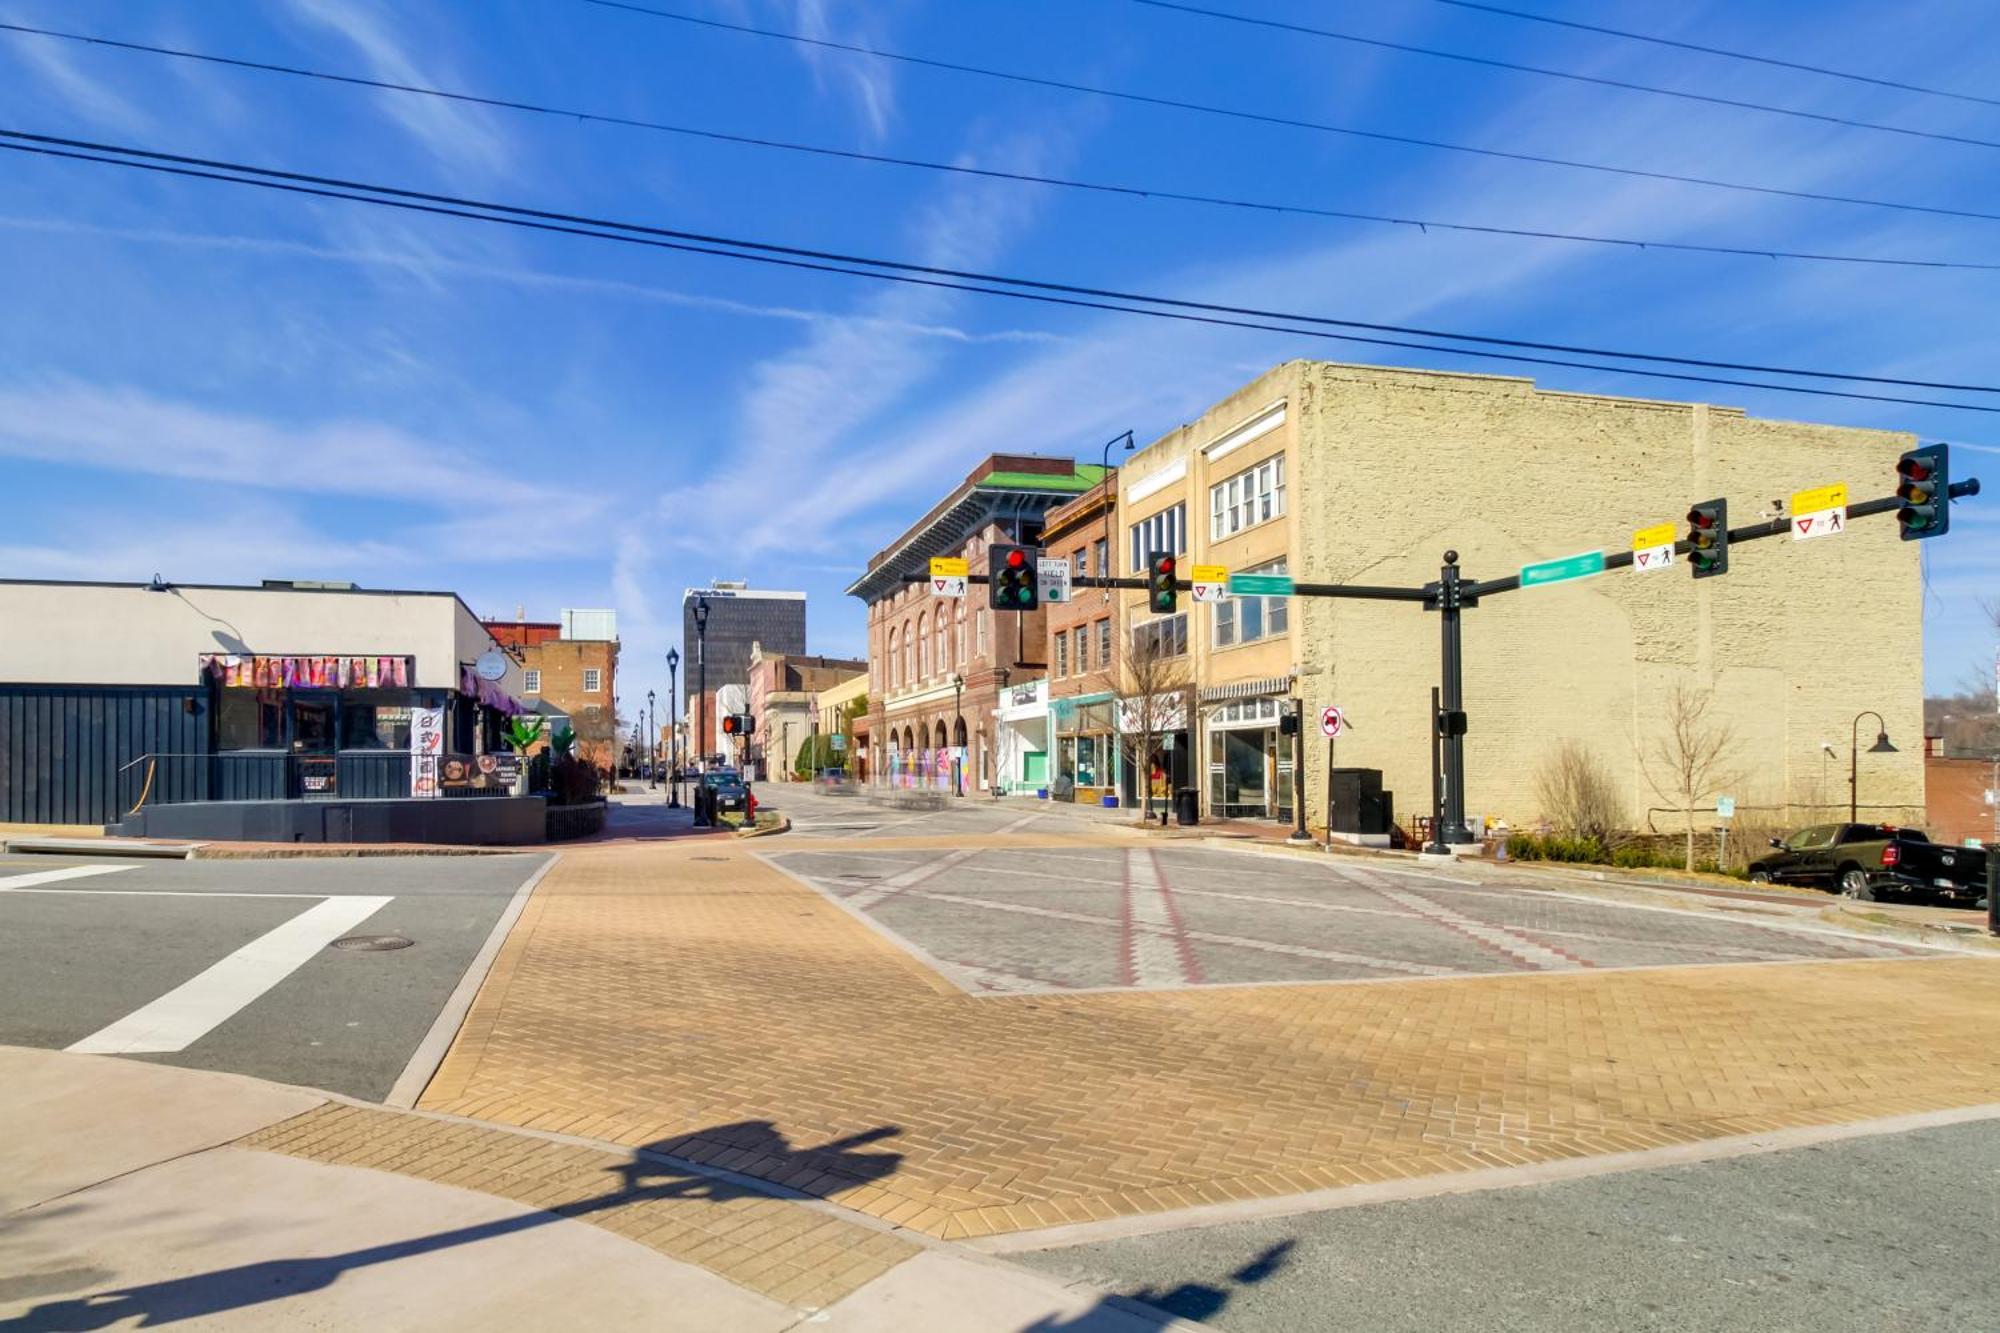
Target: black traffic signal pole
pixel 1449 597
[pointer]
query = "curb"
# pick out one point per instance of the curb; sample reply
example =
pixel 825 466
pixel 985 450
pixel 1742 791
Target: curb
pixel 784 825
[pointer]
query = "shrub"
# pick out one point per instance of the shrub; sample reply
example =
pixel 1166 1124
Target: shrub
pixel 572 781
pixel 1577 795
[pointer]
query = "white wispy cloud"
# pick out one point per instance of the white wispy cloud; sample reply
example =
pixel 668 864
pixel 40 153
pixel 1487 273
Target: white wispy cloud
pixel 51 63
pixel 867 80
pixel 463 138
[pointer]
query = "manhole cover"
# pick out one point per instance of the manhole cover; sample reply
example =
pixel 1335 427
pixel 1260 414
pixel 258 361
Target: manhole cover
pixel 373 943
pixel 711 858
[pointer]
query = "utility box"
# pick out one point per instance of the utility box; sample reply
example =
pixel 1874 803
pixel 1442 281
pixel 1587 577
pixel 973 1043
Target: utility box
pixel 1359 804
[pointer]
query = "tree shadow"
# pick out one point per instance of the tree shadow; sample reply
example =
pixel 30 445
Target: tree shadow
pixel 645 1176
pixel 1189 1300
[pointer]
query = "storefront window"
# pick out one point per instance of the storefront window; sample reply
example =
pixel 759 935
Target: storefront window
pixel 250 720
pixel 374 723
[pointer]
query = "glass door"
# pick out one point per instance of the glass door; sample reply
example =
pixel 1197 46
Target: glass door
pixel 313 745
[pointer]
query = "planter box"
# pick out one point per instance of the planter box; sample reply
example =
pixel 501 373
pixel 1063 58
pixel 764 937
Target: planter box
pixel 575 821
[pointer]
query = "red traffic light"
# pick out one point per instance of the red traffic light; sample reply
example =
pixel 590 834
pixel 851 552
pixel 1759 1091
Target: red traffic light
pixel 729 725
pixel 1016 558
pixel 1914 469
pixel 1701 518
pixel 1165 564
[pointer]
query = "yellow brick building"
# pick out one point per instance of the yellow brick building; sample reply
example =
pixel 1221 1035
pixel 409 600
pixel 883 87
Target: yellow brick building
pixel 1356 474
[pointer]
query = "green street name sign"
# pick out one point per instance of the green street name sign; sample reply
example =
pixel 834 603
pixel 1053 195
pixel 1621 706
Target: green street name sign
pixel 1260 585
pixel 1569 567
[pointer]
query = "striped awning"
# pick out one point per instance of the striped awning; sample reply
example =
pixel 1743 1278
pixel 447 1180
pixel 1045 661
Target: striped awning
pixel 1248 689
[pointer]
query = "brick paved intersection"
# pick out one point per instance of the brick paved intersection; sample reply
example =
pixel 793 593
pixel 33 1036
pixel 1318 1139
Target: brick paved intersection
pixel 672 994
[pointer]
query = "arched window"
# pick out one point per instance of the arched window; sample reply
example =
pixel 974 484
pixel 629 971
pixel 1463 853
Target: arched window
pixel 943 644
pixel 960 633
pixel 890 670
pixel 923 650
pixel 908 655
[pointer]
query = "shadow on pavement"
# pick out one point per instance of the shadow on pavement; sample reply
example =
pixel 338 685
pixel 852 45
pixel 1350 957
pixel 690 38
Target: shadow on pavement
pixel 1190 1300
pixel 204 1295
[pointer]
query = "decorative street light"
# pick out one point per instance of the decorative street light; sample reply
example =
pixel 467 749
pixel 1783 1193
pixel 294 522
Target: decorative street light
pixel 1110 501
pixel 674 728
pixel 958 735
pixel 1881 746
pixel 652 743
pixel 701 664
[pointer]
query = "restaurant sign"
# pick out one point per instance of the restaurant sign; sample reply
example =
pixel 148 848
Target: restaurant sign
pixel 260 672
pixel 484 772
pixel 426 751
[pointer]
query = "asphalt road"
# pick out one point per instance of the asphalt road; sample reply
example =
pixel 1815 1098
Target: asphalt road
pixel 228 964
pixel 1892 1233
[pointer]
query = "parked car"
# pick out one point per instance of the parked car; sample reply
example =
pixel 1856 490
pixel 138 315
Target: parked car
pixel 730 793
pixel 1865 861
pixel 717 776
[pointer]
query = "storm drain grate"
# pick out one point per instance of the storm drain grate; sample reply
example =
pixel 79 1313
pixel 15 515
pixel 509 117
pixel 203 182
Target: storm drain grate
pixel 373 943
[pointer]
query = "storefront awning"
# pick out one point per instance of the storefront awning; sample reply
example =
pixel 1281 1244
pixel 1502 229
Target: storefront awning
pixel 1248 689
pixel 474 686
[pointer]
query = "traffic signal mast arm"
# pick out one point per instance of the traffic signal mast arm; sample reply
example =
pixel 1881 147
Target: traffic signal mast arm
pixel 1368 592
pixel 1776 527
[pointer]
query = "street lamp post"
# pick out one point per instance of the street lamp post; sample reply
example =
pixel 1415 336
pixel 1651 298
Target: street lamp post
pixel 701 688
pixel 1881 746
pixel 673 728
pixel 1109 502
pixel 958 731
pixel 652 742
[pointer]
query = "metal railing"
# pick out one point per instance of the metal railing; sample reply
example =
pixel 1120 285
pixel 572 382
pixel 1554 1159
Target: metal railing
pixel 177 778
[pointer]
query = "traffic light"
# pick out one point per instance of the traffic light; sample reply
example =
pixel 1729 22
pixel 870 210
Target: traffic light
pixel 1161 594
pixel 1923 484
pixel 1708 538
pixel 1011 579
pixel 738 724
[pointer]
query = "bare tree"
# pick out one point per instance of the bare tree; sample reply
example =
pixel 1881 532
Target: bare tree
pixel 1153 688
pixel 1687 762
pixel 1577 794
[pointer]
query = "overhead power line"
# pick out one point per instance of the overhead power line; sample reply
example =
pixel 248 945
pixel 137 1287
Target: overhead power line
pixel 1545 72
pixel 1773 61
pixel 1292 122
pixel 926 275
pixel 989 173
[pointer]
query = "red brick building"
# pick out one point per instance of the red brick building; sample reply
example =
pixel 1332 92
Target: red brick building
pixel 782 688
pixel 571 665
pixel 1083 651
pixel 936 665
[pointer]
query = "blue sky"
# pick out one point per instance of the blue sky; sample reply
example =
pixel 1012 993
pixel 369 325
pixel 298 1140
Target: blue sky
pixel 225 384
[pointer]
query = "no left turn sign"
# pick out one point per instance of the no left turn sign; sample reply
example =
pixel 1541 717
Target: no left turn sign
pixel 1332 721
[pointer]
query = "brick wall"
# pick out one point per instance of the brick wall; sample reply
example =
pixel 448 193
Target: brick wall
pixel 562 663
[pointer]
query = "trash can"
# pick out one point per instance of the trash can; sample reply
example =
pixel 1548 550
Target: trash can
pixel 1187 806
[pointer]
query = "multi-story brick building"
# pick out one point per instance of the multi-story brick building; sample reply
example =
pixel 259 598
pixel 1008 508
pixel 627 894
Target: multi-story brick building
pixel 1088 761
pixel 937 664
pixel 782 690
pixel 1358 474
pixel 571 665
pixel 738 616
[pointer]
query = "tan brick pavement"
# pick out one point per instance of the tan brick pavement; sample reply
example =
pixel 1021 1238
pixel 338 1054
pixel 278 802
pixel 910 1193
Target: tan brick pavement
pixel 657 995
pixel 783 1249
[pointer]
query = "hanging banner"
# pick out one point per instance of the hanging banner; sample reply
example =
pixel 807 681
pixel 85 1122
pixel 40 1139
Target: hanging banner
pixel 287 672
pixel 426 749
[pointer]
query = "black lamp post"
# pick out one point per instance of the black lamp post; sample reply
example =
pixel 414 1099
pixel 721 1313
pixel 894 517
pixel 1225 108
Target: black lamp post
pixel 673 728
pixel 652 743
pixel 1881 746
pixel 701 665
pixel 958 733
pixel 1109 504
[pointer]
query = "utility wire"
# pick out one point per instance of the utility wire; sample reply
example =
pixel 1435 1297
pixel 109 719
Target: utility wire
pixel 1266 118
pixel 1720 51
pixel 1491 63
pixel 895 271
pixel 990 173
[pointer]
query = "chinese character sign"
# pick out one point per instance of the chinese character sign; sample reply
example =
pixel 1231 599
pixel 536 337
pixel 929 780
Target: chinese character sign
pixel 426 748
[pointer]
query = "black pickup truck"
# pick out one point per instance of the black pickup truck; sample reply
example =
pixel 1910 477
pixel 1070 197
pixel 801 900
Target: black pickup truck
pixel 1869 860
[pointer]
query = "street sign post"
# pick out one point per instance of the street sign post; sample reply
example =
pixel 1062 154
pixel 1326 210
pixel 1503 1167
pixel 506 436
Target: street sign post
pixel 1580 566
pixel 1055 579
pixel 948 576
pixel 1725 807
pixel 1260 585
pixel 1331 723
pixel 1210 582
pixel 1653 548
pixel 1819 512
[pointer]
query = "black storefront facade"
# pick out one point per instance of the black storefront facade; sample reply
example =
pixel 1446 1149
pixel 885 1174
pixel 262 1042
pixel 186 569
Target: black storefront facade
pixel 315 740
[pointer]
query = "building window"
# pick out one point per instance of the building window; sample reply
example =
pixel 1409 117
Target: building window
pixel 1254 495
pixel 593 680
pixel 1104 644
pixel 909 655
pixel 1082 649
pixel 1165 637
pixel 958 629
pixel 923 649
pixel 1100 555
pixel 891 668
pixel 1164 531
pixel 1062 655
pixel 982 631
pixel 250 720
pixel 534 681
pixel 1079 562
pixel 943 644
pixel 1248 619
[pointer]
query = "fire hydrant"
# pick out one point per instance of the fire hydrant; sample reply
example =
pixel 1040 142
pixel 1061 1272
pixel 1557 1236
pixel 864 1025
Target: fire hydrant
pixel 750 808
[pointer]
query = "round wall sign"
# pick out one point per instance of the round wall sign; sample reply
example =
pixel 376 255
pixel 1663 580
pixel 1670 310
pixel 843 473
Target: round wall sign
pixel 492 665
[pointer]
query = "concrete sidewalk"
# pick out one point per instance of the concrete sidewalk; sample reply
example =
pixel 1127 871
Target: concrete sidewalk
pixel 135 1194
